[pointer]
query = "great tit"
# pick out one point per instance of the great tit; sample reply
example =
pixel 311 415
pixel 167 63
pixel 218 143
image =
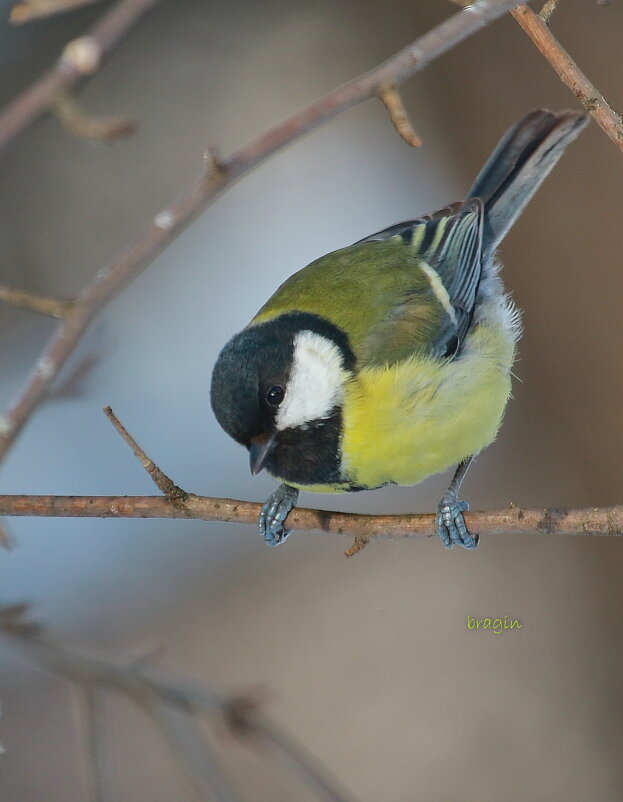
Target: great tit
pixel 389 360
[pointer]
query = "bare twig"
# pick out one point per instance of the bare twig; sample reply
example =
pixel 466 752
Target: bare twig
pixel 595 521
pixel 393 103
pixel 29 10
pixel 165 695
pixel 85 126
pixel 172 220
pixel 359 543
pixel 293 757
pixel 192 752
pixel 174 493
pixel 81 58
pixel 570 74
pixel 537 28
pixel 35 303
pixel 212 162
pixel 72 385
pixel 177 503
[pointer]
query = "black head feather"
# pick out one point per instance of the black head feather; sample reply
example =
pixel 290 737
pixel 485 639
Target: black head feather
pixel 248 366
pixel 253 363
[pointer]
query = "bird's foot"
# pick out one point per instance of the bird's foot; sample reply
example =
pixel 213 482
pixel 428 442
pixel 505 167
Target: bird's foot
pixel 274 512
pixel 450 523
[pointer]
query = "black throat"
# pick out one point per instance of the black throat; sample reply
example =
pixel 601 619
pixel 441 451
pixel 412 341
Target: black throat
pixel 310 454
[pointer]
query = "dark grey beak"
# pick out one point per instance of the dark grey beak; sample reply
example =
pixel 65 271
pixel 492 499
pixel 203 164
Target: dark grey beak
pixel 261 446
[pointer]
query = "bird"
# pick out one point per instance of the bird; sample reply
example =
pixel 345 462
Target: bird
pixel 390 360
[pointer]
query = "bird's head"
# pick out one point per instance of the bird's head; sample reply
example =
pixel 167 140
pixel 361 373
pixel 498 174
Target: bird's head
pixel 278 387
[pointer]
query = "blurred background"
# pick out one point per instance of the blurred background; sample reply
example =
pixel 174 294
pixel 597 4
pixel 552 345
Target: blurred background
pixel 367 661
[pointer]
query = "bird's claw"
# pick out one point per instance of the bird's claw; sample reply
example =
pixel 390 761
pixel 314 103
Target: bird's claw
pixel 450 523
pixel 274 512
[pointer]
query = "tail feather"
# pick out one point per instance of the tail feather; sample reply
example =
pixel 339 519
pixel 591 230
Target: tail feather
pixel 517 167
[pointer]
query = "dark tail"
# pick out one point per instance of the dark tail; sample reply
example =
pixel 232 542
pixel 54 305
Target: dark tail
pixel 518 165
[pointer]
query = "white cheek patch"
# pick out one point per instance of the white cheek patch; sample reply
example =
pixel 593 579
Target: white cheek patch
pixel 316 383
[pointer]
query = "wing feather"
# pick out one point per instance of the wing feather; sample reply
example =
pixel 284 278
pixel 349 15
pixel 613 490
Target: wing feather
pixel 448 248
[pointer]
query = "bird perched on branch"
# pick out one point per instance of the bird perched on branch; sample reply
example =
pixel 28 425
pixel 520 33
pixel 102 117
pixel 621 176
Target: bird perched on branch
pixel 389 360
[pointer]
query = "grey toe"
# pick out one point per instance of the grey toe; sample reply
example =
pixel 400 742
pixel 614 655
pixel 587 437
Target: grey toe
pixel 450 524
pixel 274 512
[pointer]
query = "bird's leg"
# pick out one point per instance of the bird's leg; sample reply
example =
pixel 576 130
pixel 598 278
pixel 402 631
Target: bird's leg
pixel 450 523
pixel 274 512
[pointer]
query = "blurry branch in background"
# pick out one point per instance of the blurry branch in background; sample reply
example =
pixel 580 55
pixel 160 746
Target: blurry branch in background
pixel 537 28
pixel 85 126
pixel 52 307
pixel 5 538
pixel 177 705
pixel 73 384
pixel 223 172
pixel 177 503
pixel 80 58
pixel 196 760
pixel 90 734
pixel 28 10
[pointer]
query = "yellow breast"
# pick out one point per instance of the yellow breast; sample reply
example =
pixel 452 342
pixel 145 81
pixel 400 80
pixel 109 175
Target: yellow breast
pixel 407 421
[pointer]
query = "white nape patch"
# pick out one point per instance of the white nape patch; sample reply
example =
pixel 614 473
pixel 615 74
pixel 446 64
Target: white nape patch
pixel 316 383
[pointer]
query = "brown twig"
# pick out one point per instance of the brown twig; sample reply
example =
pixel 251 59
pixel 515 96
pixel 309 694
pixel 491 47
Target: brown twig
pixel 393 103
pixel 537 28
pixel 175 703
pixel 166 485
pixel 359 544
pixel 29 10
pixel 80 58
pixel 595 521
pixel 52 307
pixel 86 126
pixel 548 9
pixel 172 220
pixel 177 503
pixel 570 74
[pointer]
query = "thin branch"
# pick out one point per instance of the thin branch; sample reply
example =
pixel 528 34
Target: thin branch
pixel 29 10
pixel 537 28
pixel 166 485
pixel 243 719
pixel 147 684
pixel 393 103
pixel 570 74
pixel 197 761
pixel 595 521
pixel 172 220
pixel 80 58
pixel 89 727
pixel 72 385
pixel 52 307
pixel 86 126
pixel 177 503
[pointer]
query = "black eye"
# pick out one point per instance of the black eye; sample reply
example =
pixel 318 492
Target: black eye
pixel 275 395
